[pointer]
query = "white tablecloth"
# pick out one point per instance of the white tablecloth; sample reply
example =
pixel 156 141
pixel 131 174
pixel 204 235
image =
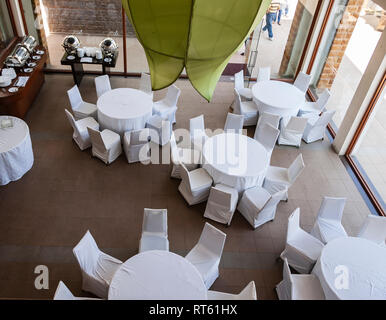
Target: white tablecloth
pixel 124 109
pixel 277 97
pixel 235 160
pixel 16 156
pixel 363 261
pixel 157 275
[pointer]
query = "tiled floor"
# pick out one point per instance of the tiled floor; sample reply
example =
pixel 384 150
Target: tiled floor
pixel 67 192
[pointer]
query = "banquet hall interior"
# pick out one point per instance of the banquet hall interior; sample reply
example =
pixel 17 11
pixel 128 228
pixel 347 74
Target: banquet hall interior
pixel 121 179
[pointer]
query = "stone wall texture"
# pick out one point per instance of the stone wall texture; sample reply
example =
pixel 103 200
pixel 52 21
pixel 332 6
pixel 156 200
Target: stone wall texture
pixel 91 17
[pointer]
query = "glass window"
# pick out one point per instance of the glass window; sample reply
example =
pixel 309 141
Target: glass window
pixel 6 30
pixel 348 43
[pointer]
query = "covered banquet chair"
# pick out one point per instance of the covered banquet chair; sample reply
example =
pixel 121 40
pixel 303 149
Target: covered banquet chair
pixel 299 286
pixel 137 146
pixel 239 85
pixel 246 108
pixel 291 131
pixel 154 230
pixel 106 145
pixel 198 135
pixel 248 293
pixel 264 74
pixel 145 84
pixel 102 85
pixel 317 106
pixel 63 293
pixel 267 135
pixel 302 81
pixel 206 254
pixel 302 249
pixel 234 123
pixel 97 267
pixel 80 135
pixel 222 203
pixel 167 107
pixel 328 225
pixel 80 108
pixel 374 229
pixel 316 125
pixel 268 118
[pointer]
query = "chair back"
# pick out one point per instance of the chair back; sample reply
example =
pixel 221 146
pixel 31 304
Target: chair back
pixel 237 104
pixel 374 229
pixel 172 96
pixel 248 293
pixel 185 177
pixel 139 137
pixel 196 126
pixel 220 197
pixel 155 221
pixel 87 253
pixel 234 122
pixel 267 136
pixel 72 121
pixel 102 84
pixel 324 119
pixel 239 80
pixel 175 156
pixel 276 197
pixel 287 277
pixel 302 81
pixel 270 118
pixel 75 97
pixel 297 124
pixel 332 208
pixel 212 239
pixel 293 224
pixel 296 168
pixel 323 99
pixel 145 83
pixel 264 74
pixel 63 293
pixel 96 138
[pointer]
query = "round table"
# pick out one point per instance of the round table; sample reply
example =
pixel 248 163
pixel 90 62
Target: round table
pixel 16 155
pixel 352 269
pixel 157 275
pixel 124 109
pixel 235 160
pixel 277 97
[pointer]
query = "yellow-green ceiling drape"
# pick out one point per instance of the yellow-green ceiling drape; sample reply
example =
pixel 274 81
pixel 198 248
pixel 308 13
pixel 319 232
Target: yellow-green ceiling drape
pixel 200 35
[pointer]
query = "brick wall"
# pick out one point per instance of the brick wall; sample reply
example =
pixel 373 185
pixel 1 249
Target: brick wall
pixel 291 38
pixel 339 45
pixel 94 17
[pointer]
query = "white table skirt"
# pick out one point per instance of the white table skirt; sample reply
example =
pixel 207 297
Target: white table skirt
pixel 277 97
pixel 364 263
pixel 157 275
pixel 124 109
pixel 235 160
pixel 16 155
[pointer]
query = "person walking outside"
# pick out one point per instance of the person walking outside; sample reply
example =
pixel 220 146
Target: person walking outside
pixel 270 17
pixel 283 6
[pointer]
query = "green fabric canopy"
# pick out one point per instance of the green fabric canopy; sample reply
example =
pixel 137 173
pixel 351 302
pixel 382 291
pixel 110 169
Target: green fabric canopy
pixel 200 35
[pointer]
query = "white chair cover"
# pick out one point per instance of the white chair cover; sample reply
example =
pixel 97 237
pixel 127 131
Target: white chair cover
pixel 328 225
pixel 302 249
pixel 246 93
pixel 80 108
pixel 264 74
pixel 318 106
pixel 277 176
pixel 316 125
pixel 206 254
pixel 198 135
pixel 248 293
pixel 195 185
pixel 234 123
pixel 154 230
pixel 374 229
pixel 221 204
pixel 160 129
pixel 299 286
pixel 246 108
pixel 291 131
pixel 189 157
pixel 167 107
pixel 80 135
pixel 302 81
pixel 97 267
pixel 63 293
pixel 258 206
pixel 106 145
pixel 102 84
pixel 145 84
pixel 136 145
pixel 268 118
pixel 267 135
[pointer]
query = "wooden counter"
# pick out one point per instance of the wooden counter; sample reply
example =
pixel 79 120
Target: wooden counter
pixel 17 103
